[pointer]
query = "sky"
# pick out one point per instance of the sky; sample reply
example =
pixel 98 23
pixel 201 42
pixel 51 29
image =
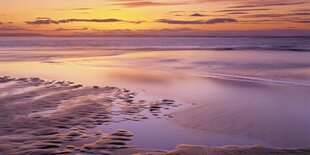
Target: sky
pixel 153 17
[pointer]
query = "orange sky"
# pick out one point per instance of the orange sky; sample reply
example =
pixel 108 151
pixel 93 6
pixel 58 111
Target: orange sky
pixel 114 17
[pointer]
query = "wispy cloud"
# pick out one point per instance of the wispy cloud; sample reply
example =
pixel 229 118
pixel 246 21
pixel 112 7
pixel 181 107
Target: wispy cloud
pixel 211 21
pixel 302 21
pixel 143 3
pixel 301 10
pixel 17 34
pixel 279 20
pixel 268 4
pixel 10 28
pixel 81 9
pixel 198 15
pixel 45 21
pixel 241 10
pixel 74 9
pixel 221 20
pixel 64 29
pixel 276 15
pixel 237 13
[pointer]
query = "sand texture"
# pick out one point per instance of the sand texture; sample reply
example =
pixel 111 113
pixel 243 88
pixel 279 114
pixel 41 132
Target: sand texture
pixel 39 117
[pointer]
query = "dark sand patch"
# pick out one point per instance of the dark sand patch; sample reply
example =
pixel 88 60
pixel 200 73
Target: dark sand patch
pixel 53 117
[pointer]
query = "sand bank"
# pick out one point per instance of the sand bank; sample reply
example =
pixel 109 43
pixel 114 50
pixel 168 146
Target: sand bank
pixel 54 117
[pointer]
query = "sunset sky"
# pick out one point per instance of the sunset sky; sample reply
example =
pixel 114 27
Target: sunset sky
pixel 150 17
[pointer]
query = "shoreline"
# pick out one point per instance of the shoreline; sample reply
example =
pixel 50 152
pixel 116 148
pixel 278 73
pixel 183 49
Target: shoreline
pixel 186 149
pixel 289 68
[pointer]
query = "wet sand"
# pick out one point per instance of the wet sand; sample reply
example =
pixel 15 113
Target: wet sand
pixel 210 109
pixel 51 117
pixel 61 117
pixel 275 114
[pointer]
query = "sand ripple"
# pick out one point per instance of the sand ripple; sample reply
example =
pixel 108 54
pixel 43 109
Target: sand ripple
pixel 55 117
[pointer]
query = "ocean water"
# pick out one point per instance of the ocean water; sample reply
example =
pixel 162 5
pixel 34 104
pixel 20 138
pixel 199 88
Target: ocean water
pixel 222 43
pixel 268 59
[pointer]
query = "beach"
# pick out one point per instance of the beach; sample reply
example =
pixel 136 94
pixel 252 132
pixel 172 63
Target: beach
pixel 155 77
pixel 131 101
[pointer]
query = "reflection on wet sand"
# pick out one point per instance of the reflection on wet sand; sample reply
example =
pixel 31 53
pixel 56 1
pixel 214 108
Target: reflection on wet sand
pixel 224 110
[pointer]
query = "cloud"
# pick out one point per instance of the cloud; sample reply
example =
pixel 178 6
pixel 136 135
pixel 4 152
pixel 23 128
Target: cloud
pixel 241 10
pixel 143 3
pixel 192 12
pixel 45 21
pixel 211 21
pixel 221 20
pixel 237 13
pixel 74 9
pixel 300 14
pixel 9 34
pixel 301 10
pixel 277 20
pixel 136 22
pixel 198 15
pixel 258 21
pixel 302 21
pixel 43 18
pixel 171 21
pixel 276 15
pixel 10 28
pixel 267 4
pixel 79 9
pixel 63 29
pixel 242 3
pixel 264 15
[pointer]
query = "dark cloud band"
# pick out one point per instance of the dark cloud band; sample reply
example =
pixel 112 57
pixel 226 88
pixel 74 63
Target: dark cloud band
pixel 45 21
pixel 211 21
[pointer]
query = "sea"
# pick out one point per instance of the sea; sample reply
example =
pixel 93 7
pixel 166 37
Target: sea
pixel 178 43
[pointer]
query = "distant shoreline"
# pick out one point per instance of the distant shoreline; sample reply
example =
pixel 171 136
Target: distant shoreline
pixel 150 36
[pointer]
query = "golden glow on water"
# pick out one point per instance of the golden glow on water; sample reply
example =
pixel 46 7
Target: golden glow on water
pixel 115 67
